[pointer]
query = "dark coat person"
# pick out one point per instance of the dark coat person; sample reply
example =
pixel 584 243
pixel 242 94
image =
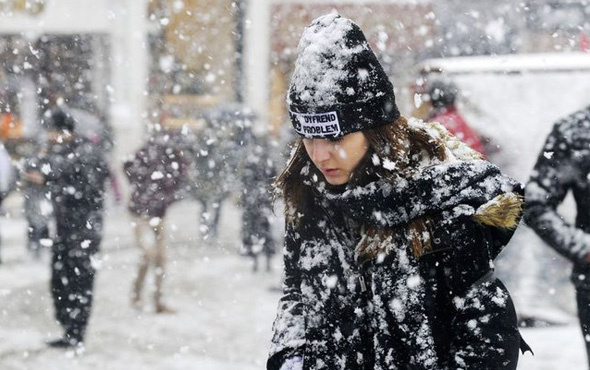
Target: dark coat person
pixel 563 166
pixel 217 159
pixel 257 215
pixel 74 172
pixel 391 227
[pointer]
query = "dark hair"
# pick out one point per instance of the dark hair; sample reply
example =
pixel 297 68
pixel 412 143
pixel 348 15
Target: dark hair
pixel 442 93
pixel 60 120
pixel 397 142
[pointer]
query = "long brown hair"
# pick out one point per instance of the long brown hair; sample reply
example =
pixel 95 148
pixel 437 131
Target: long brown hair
pixel 398 143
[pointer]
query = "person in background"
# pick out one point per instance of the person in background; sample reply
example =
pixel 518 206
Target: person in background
pixel 37 204
pixel 155 174
pixel 74 172
pixel 563 165
pixel 217 160
pixel 257 174
pixel 438 103
pixel 391 227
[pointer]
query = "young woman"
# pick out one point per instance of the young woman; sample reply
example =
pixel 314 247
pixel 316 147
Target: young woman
pixel 391 227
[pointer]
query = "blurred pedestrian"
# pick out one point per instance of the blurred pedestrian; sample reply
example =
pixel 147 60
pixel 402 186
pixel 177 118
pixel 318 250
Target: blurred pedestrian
pixel 563 166
pixel 257 174
pixel 74 172
pixel 439 104
pixel 155 174
pixel 37 204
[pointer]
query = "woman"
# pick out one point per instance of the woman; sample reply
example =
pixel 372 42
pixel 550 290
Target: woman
pixel 391 227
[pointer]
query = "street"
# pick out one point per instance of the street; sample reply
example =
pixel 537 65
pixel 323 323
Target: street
pixel 224 311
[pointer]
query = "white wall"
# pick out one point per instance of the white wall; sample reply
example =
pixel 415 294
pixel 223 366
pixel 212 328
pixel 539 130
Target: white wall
pixel 257 59
pixel 129 73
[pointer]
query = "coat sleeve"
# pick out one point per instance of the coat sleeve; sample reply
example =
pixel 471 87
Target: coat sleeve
pixel 484 329
pixel 289 326
pixel 132 167
pixel 431 190
pixel 479 232
pixel 552 178
pixel 94 166
pixel 499 219
pixel 462 251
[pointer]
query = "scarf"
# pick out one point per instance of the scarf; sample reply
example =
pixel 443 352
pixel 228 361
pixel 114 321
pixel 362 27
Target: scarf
pixel 456 189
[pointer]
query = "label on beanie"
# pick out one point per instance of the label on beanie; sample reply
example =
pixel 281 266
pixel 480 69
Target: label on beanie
pixel 316 124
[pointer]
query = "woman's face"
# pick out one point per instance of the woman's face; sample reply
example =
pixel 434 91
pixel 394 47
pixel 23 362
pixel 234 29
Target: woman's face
pixel 337 159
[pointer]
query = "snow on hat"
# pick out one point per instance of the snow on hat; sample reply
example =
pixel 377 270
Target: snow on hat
pixel 338 85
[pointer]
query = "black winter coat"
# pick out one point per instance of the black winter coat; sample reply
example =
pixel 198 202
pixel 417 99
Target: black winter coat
pixel 444 311
pixel 75 173
pixel 563 166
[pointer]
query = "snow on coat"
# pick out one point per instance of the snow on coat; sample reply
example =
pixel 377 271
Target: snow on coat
pixel 155 174
pixel 76 171
pixel 256 200
pixel 442 311
pixel 564 165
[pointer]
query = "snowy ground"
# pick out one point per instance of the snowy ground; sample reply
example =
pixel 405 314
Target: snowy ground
pixel 224 316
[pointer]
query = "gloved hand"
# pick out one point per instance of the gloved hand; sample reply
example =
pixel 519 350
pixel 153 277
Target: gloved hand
pixel 293 363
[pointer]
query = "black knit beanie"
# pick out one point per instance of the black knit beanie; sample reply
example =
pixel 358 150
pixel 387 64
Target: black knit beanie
pixel 338 86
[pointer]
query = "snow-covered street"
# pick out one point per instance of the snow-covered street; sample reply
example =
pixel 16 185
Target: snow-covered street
pixel 224 313
pixel 420 134
pixel 224 317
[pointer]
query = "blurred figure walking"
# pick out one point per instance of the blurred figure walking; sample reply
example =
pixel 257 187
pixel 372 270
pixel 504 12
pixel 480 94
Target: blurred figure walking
pixel 217 159
pixel 257 177
pixel 74 172
pixel 155 174
pixel 563 166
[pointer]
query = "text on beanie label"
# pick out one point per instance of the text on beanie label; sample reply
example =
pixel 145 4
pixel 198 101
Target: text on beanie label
pixel 317 124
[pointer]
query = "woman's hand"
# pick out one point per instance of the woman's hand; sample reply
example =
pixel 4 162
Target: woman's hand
pixel 293 363
pixel 34 177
